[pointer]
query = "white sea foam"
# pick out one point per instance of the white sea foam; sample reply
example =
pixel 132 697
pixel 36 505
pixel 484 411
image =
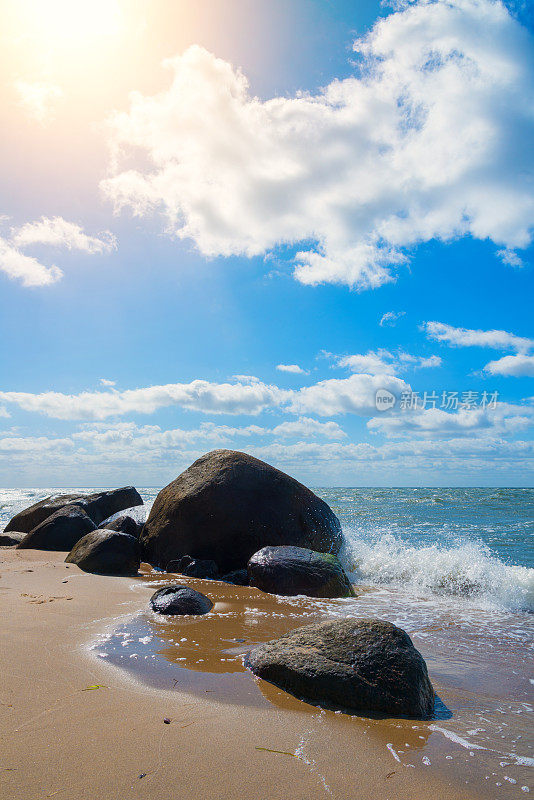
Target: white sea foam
pixel 468 569
pixel 455 738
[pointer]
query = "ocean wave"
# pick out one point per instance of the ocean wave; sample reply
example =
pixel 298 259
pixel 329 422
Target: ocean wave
pixel 467 570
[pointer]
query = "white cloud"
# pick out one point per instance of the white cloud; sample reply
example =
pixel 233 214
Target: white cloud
pixel 106 382
pixel 517 366
pixel 27 269
pixel 38 99
pixel 4 413
pixel 436 423
pixel 382 362
pixel 354 395
pixel 379 363
pixel 203 396
pixel 54 231
pixel 465 337
pixel 166 453
pixel 291 368
pixel 309 428
pixel 34 445
pixel 510 258
pixel 58 232
pixel 430 141
pixel 390 318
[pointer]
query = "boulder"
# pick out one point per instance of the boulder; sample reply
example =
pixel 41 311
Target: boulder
pixel 60 531
pixel 11 539
pixel 194 567
pixel 239 577
pixel 227 506
pixel 180 600
pixel 358 665
pixel 106 552
pixel 98 506
pixel 297 570
pixel 122 525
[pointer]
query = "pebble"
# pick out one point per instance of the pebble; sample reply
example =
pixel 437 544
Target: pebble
pixel 167 721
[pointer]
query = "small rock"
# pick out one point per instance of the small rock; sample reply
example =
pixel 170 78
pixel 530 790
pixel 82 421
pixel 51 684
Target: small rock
pixel 194 567
pixel 180 600
pixel 11 539
pixel 167 721
pixel 239 577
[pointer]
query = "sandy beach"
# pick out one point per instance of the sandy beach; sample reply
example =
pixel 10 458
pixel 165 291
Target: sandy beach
pixel 63 737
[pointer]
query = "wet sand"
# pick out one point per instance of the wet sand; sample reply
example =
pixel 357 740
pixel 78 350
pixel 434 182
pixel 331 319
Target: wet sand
pixel 229 736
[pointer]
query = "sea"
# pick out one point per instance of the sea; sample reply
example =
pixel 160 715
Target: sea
pixel 454 567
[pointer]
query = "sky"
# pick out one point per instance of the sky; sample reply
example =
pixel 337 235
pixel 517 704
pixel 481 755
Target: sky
pixel 302 230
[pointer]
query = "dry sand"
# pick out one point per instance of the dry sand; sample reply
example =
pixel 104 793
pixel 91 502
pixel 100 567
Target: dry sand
pixel 61 738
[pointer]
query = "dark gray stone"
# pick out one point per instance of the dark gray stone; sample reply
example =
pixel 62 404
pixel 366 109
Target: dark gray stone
pixel 60 531
pixel 227 506
pixel 99 506
pixel 11 539
pixel 180 600
pixel 239 577
pixel 297 570
pixel 362 665
pixel 122 525
pixel 194 567
pixel 106 552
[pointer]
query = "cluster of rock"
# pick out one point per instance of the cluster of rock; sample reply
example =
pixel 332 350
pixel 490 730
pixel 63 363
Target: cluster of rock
pixel 233 518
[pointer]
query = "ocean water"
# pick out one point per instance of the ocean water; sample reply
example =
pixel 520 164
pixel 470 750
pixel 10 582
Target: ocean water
pixel 453 567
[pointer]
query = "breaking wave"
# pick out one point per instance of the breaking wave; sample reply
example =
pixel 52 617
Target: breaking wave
pixel 467 570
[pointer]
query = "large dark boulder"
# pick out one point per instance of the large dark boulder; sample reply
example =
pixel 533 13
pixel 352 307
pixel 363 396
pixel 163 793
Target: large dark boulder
pixel 297 570
pixel 227 506
pixel 11 539
pixel 106 552
pixel 123 524
pixel 180 600
pixel 362 665
pixel 99 506
pixel 60 531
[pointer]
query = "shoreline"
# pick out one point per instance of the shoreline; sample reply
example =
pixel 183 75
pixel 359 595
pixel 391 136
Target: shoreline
pixel 60 737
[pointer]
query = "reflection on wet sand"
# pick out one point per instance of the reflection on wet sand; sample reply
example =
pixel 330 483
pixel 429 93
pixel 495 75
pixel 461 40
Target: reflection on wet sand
pixel 204 655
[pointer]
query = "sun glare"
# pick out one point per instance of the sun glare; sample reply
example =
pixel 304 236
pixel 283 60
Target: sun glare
pixel 71 23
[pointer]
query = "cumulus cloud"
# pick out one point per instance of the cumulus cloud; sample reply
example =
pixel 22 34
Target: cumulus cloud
pixel 430 139
pixel 518 366
pixel 354 395
pixel 390 318
pixel 435 423
pixel 199 395
pixel 291 368
pixel 38 99
pixel 465 337
pixel 309 428
pixel 56 232
pixel 26 269
pixel 382 362
pixel 107 382
pixel 395 461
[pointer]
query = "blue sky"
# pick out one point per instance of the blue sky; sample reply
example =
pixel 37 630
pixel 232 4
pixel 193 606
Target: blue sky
pixel 163 254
